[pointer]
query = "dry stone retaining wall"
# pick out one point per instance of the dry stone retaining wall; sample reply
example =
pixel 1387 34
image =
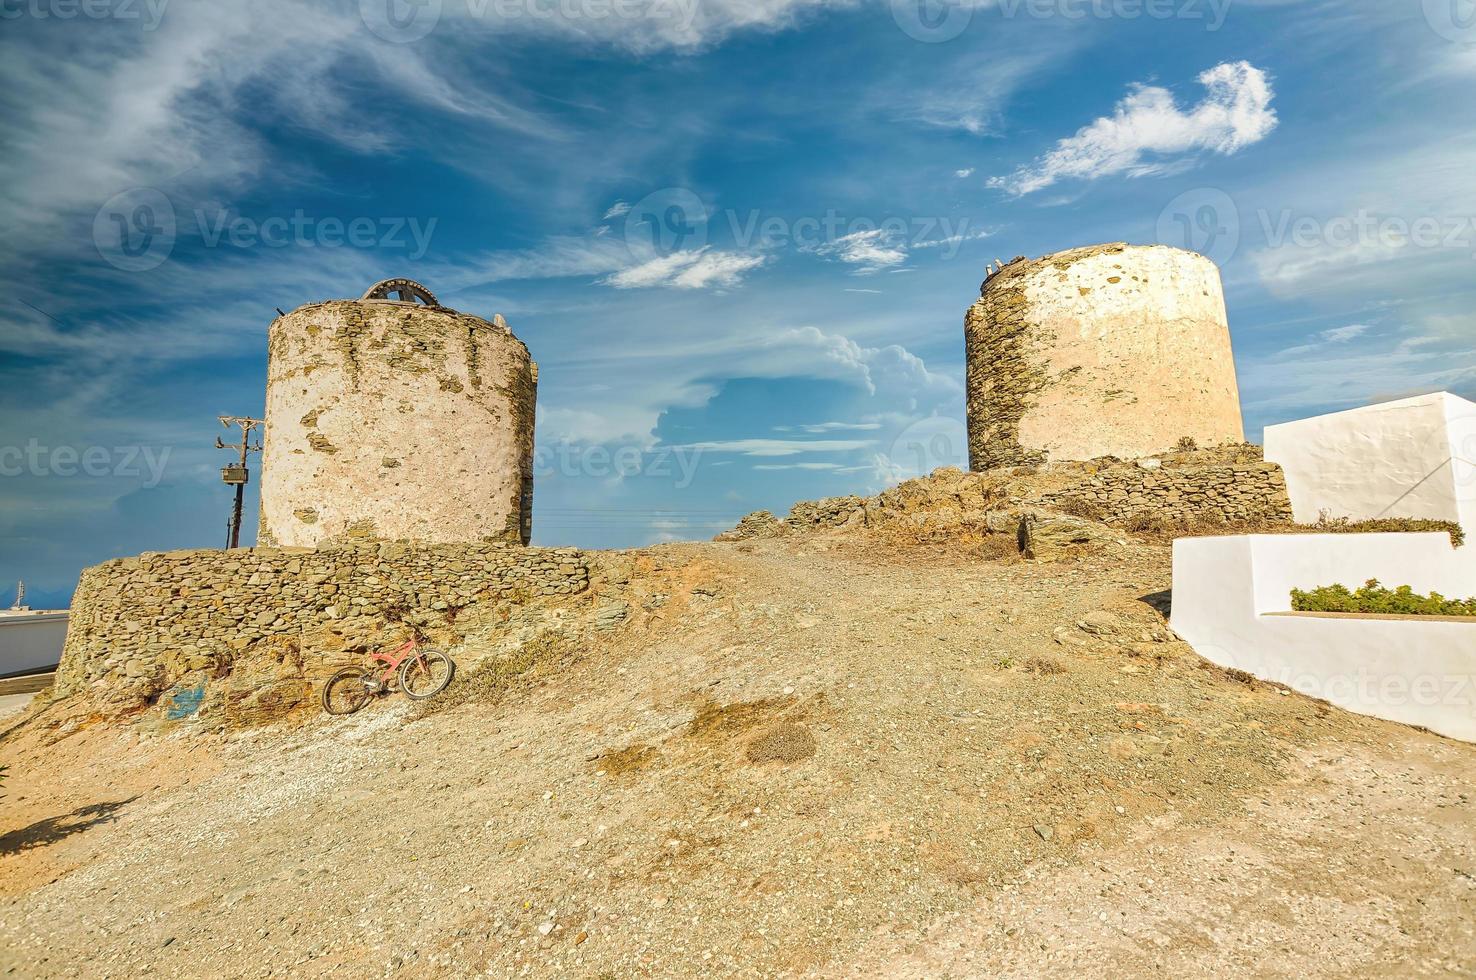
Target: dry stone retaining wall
pixel 142 626
pixel 1228 484
pixel 1225 493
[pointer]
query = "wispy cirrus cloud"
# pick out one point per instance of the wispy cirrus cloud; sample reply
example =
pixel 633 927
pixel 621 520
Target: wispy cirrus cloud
pixel 869 251
pixel 778 447
pixel 1149 133
pixel 692 269
pixel 824 427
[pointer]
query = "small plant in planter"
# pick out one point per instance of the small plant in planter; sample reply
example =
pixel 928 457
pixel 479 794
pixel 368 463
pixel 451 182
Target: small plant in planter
pixel 1375 599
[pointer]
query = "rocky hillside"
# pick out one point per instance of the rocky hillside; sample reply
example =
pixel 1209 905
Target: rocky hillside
pixel 844 753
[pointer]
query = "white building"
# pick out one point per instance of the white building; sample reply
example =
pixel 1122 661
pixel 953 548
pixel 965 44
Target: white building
pixel 1410 458
pixel 1413 458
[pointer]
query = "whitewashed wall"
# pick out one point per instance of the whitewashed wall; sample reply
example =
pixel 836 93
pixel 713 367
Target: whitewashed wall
pixel 1410 458
pixel 1232 596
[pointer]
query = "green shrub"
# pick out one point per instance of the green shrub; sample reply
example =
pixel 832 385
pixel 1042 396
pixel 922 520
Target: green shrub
pixel 1374 598
pixel 1391 525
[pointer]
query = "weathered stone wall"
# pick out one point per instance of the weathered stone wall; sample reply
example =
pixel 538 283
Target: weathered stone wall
pixel 396 421
pixel 142 626
pixel 1225 485
pixel 1111 350
pixel 1127 495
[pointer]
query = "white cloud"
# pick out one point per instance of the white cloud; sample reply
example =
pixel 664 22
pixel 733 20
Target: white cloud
pixel 554 258
pixel 959 239
pixel 824 427
pixel 617 210
pixel 1341 335
pixel 1336 335
pixel 963 174
pixel 798 466
pixel 882 250
pixel 970 92
pixel 680 24
pixel 1149 133
pixel 777 447
pixel 871 251
pixel 171 108
pixel 694 269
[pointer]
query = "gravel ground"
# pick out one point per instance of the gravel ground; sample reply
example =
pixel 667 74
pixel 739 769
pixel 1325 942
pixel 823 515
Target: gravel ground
pixel 13 704
pixel 814 756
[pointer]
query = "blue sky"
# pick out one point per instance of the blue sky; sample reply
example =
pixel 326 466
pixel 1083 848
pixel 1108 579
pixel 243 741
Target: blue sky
pixel 738 235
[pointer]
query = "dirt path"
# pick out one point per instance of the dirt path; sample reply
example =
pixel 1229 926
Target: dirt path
pixel 1358 864
pixel 794 757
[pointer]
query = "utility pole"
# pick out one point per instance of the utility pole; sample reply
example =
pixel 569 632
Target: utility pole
pixel 239 475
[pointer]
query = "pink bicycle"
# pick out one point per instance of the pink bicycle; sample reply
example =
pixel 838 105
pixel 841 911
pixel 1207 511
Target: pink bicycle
pixel 422 673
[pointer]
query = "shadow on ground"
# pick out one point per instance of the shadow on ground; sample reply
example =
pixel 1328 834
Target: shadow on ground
pixel 44 833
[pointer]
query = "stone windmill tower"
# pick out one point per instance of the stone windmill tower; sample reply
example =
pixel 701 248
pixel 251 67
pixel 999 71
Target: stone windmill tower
pixel 393 417
pixel 1110 350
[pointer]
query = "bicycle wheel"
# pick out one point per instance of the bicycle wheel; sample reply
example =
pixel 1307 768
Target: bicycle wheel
pixel 426 674
pixel 346 691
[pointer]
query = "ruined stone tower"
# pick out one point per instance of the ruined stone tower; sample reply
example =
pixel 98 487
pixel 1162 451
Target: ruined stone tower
pixel 396 418
pixel 1111 350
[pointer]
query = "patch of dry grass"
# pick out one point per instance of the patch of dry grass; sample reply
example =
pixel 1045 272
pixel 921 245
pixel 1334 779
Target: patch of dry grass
pixel 782 743
pixel 631 759
pixel 713 719
pixel 492 681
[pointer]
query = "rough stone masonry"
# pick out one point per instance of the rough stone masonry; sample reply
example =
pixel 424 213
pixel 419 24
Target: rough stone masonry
pixel 1111 350
pixel 143 626
pixel 394 420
